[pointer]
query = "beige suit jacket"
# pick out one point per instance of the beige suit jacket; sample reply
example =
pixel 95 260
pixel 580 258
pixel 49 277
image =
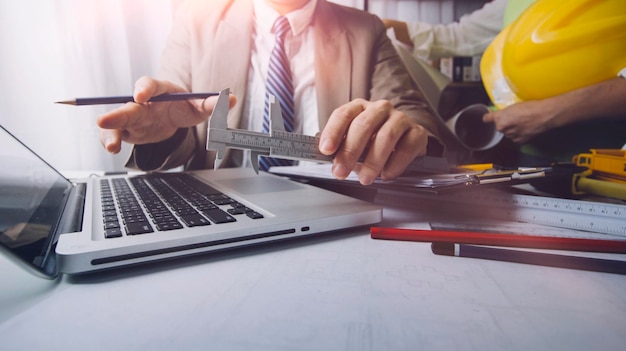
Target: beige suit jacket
pixel 209 50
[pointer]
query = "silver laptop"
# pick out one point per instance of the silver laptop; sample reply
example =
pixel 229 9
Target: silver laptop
pixel 53 225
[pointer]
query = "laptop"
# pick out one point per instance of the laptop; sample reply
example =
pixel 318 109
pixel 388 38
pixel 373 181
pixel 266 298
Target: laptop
pixel 53 225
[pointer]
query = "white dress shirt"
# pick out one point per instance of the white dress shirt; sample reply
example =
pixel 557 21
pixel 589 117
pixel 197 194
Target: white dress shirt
pixel 470 36
pixel 299 46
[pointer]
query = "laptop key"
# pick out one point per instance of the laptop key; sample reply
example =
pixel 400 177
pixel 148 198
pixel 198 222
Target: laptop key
pixel 138 228
pixel 195 220
pixel 113 233
pixel 205 206
pixel 198 185
pixel 111 225
pixel 110 218
pixel 168 226
pixel 218 216
pixel 185 211
pixel 254 215
pixel 220 199
pixel 236 211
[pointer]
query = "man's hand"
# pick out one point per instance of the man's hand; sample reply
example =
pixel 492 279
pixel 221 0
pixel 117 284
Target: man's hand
pixel 522 121
pixel 143 122
pixel 387 138
pixel 400 30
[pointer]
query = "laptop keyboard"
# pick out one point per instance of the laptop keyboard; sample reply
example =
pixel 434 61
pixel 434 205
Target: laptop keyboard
pixel 161 202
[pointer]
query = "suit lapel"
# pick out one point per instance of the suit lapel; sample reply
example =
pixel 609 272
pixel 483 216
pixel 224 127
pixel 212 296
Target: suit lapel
pixel 333 62
pixel 231 63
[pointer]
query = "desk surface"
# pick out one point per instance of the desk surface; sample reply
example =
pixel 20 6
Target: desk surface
pixel 344 291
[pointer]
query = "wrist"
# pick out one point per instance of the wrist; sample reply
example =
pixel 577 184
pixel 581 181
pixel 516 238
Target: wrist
pixel 151 157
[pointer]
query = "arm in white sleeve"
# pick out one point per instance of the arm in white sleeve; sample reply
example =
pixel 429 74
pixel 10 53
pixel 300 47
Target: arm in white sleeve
pixel 469 36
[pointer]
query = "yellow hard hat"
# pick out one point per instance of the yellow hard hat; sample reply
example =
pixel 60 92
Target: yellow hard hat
pixel 495 83
pixel 556 46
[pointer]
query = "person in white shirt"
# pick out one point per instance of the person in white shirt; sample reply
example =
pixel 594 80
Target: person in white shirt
pixel 469 36
pixel 546 130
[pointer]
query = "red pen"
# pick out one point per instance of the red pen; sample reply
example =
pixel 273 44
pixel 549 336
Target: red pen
pixel 496 239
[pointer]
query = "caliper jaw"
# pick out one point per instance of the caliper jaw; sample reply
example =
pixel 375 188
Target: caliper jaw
pixel 217 121
pixel 218 129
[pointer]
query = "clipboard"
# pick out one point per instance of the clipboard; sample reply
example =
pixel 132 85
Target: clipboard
pixel 442 182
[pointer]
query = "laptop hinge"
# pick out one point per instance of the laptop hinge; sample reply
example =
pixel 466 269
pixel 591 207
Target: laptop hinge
pixel 72 217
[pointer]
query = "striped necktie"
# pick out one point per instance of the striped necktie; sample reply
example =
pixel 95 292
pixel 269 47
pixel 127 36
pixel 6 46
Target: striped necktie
pixel 280 85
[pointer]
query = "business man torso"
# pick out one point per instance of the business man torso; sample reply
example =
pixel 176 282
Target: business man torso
pixel 209 49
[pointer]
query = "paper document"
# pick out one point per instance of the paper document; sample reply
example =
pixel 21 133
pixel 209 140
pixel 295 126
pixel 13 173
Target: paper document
pixel 421 182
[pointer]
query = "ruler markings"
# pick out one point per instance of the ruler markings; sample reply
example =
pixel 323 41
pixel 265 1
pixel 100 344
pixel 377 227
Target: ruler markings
pixel 520 229
pixel 563 213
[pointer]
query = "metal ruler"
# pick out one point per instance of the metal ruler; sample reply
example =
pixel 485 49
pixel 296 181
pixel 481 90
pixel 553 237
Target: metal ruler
pixel 519 228
pixel 581 215
pixel 278 143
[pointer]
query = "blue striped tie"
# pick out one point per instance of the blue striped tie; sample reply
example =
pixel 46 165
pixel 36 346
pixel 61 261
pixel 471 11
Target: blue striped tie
pixel 280 85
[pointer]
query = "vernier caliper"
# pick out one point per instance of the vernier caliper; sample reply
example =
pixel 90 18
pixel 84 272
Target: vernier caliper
pixel 278 143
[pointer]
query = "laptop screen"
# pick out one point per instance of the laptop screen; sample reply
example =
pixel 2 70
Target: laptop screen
pixel 32 198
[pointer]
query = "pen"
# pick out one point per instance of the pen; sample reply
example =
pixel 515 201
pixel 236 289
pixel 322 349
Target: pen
pixel 124 99
pixel 497 239
pixel 476 167
pixel 536 258
pixel 503 176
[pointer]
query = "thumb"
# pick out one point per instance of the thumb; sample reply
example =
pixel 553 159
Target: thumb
pixel 489 117
pixel 111 139
pixel 207 105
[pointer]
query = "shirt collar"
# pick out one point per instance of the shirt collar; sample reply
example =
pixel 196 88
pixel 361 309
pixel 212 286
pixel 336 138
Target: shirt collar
pixel 298 19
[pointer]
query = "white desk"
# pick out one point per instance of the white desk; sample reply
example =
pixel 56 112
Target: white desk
pixel 345 291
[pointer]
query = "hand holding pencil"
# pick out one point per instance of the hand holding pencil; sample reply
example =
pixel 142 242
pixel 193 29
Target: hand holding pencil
pixel 161 109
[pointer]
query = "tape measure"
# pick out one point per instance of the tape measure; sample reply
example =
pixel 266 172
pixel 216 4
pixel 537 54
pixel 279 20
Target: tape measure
pixel 580 215
pixel 278 143
pixel 605 164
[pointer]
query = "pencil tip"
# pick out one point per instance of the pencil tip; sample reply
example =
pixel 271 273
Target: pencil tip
pixel 66 102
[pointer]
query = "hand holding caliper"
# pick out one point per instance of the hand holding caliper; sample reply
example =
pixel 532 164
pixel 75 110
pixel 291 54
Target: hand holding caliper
pixel 278 143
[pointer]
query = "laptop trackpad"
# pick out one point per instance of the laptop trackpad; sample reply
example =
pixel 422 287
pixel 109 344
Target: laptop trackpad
pixel 259 185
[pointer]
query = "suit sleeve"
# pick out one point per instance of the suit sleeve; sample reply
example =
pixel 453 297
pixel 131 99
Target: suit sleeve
pixel 391 81
pixel 175 67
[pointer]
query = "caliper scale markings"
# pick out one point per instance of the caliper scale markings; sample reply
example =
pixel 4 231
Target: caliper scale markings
pixel 278 143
